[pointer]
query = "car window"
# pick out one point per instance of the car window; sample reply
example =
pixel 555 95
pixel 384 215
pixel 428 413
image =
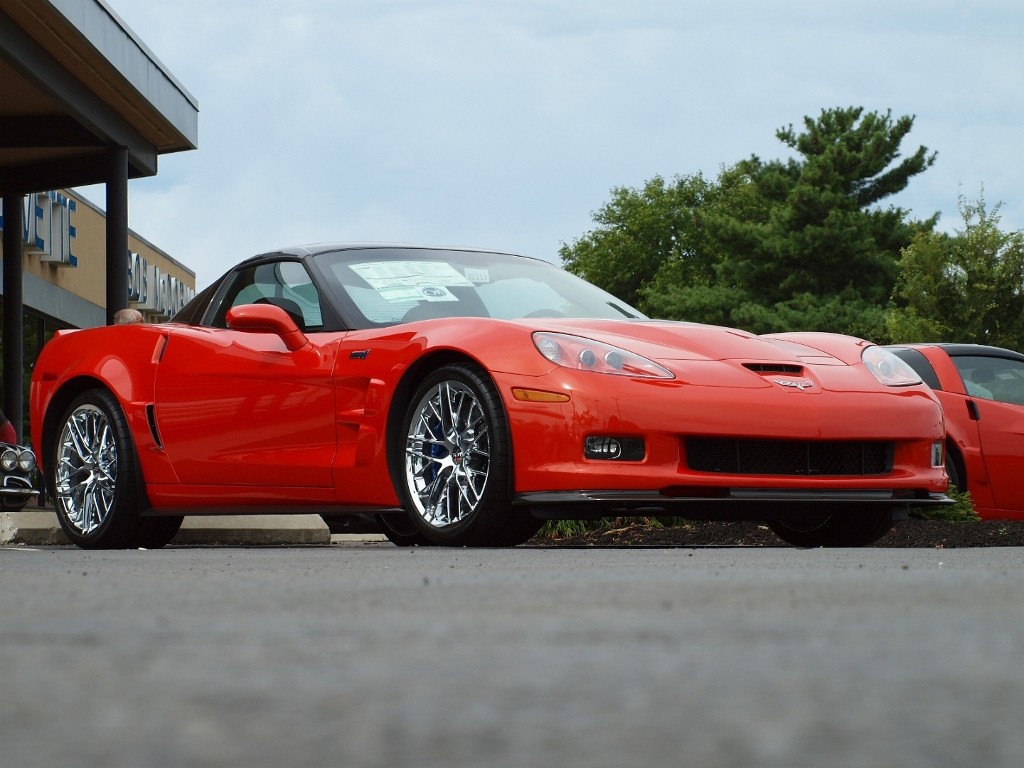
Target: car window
pixel 992 378
pixel 285 284
pixel 193 312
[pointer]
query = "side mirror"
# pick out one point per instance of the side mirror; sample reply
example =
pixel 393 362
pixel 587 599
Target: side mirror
pixel 266 318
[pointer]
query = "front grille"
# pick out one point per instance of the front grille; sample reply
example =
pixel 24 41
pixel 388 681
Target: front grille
pixel 788 457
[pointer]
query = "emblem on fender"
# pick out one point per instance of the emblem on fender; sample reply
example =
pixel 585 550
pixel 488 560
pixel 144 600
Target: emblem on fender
pixel 800 384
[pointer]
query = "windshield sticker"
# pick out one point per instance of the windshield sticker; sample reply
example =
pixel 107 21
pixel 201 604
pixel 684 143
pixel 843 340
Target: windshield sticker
pixel 478 275
pixel 399 281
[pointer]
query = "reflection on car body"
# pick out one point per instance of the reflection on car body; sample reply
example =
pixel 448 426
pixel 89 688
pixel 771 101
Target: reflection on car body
pixel 463 397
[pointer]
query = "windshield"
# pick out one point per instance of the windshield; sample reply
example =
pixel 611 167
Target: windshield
pixel 385 286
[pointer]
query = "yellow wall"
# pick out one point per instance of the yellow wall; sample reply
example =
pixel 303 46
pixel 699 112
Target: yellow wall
pixel 87 279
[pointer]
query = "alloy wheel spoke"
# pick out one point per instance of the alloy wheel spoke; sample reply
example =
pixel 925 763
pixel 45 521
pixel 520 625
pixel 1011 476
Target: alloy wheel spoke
pixel 437 494
pixel 86 472
pixel 76 437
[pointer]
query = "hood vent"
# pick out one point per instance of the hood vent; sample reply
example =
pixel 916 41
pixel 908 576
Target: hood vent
pixel 772 368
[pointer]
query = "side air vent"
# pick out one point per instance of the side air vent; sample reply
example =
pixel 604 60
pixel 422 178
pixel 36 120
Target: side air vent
pixel 151 418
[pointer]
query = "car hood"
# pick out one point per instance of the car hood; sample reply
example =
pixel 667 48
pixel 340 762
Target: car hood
pixel 665 340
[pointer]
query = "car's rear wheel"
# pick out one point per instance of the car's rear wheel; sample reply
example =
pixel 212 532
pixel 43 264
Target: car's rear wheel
pixel 845 528
pixel 455 466
pixel 156 532
pixel 93 479
pixel 401 530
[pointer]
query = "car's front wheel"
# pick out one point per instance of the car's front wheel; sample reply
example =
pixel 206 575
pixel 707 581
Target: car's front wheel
pixel 93 479
pixel 844 528
pixel 455 466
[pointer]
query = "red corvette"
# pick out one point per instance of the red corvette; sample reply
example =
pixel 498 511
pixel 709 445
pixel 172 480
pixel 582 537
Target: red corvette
pixel 463 397
pixel 981 389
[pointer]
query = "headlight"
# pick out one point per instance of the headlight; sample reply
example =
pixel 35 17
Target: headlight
pixel 26 460
pixel 21 459
pixel 889 369
pixel 8 459
pixel 583 354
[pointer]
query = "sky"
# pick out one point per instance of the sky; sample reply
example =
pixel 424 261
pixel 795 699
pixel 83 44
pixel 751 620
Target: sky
pixel 507 123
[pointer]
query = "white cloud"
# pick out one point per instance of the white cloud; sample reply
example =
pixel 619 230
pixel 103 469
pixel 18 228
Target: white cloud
pixel 501 123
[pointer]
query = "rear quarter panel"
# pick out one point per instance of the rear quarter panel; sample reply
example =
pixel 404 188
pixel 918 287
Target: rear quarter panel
pixel 121 359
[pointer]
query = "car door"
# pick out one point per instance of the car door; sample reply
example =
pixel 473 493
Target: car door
pixel 996 386
pixel 237 408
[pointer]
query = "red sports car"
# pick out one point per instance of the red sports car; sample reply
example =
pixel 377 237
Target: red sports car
pixel 463 397
pixel 981 389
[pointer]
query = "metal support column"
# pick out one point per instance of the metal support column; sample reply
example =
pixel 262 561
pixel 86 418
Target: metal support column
pixel 13 324
pixel 117 232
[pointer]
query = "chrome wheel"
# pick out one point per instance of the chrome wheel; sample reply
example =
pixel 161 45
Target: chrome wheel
pixel 447 454
pixel 451 460
pixel 95 479
pixel 86 469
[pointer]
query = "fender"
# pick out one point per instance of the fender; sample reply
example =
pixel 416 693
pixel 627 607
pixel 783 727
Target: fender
pixel 123 359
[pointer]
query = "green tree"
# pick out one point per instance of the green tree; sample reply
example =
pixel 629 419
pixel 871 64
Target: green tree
pixel 784 245
pixel 641 232
pixel 826 234
pixel 965 287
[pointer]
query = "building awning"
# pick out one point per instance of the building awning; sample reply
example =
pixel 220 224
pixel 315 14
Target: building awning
pixel 82 101
pixel 75 81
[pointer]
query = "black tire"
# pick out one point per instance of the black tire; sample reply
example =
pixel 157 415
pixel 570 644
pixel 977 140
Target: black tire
pixel 856 527
pixel 156 532
pixel 453 463
pixel 401 530
pixel 94 479
pixel 352 522
pixel 953 471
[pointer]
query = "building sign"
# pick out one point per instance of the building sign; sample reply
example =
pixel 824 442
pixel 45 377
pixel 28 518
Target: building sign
pixel 154 293
pixel 48 232
pixel 46 228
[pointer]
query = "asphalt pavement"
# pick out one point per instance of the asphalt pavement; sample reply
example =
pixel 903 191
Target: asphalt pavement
pixel 364 654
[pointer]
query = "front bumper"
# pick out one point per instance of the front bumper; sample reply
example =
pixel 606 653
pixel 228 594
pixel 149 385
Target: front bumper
pixel 550 438
pixel 15 497
pixel 721 504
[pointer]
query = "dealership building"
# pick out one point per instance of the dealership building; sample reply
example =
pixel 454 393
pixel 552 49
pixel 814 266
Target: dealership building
pixel 83 102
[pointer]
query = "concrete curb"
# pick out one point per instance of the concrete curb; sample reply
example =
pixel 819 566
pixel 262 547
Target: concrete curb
pixel 39 527
pixel 254 529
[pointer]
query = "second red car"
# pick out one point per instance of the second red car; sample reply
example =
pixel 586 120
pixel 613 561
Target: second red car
pixel 981 389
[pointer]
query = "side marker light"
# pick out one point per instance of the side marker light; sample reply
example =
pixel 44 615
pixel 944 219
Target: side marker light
pixel 539 396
